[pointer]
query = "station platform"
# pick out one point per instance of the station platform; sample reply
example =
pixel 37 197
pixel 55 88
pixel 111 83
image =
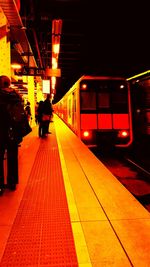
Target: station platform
pixel 69 210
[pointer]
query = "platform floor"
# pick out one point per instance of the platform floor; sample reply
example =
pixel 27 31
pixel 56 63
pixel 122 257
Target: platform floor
pixel 69 210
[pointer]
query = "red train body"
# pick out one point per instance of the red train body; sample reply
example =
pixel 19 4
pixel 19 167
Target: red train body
pixel 98 110
pixel 140 100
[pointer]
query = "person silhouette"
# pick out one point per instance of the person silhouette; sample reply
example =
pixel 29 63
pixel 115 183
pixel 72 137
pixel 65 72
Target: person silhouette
pixel 11 133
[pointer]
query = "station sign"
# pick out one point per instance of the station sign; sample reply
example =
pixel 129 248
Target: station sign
pixel 33 71
pixel 30 71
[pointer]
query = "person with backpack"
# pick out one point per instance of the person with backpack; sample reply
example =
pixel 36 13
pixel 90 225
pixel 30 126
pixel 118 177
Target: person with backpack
pixel 13 127
pixel 28 111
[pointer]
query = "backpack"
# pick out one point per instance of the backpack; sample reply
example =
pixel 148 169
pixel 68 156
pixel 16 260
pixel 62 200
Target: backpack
pixel 18 121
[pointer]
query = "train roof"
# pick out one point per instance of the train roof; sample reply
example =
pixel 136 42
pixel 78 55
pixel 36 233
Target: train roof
pixel 100 77
pixel 140 75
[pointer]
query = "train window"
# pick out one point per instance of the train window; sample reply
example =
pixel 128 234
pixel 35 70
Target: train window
pixel 88 101
pixel 145 89
pixel 119 101
pixel 69 108
pixel 103 100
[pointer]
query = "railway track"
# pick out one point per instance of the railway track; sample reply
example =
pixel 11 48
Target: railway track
pixel 140 168
pixel 130 173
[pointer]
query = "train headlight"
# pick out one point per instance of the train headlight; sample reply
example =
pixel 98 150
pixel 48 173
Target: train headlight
pixel 86 135
pixel 84 86
pixel 123 133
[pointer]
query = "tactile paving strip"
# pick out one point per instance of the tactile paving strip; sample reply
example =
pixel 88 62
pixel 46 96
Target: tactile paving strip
pixel 41 234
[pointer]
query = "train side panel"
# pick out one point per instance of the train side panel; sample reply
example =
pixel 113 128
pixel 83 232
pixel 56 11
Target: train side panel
pixel 140 99
pixel 68 108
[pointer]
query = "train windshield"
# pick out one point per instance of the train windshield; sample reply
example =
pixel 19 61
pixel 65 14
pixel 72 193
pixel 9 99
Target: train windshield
pixel 104 95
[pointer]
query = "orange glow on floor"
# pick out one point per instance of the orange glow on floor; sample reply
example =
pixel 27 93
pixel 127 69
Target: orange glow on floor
pixel 103 213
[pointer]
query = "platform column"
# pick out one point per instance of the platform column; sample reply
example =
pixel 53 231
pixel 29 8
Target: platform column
pixel 5 52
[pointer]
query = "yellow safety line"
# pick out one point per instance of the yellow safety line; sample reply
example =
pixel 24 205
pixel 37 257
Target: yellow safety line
pixel 80 243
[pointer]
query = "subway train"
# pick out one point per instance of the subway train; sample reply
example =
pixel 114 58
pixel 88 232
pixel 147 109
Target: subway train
pixel 98 110
pixel 140 101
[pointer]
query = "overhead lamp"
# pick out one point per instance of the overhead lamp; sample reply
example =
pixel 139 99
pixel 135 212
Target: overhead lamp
pixel 54 63
pixel 56 48
pixel 20 51
pixel 56 26
pixel 53 82
pixel 56 33
pixel 18 47
pixel 24 28
pixel 16 66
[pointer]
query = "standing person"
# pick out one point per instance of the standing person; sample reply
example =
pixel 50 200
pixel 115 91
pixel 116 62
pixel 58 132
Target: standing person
pixel 11 132
pixel 47 113
pixel 36 112
pixel 39 118
pixel 28 111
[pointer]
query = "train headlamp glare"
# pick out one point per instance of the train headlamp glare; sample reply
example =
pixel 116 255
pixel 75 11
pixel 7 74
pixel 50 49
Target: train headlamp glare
pixel 84 86
pixel 123 133
pixel 86 134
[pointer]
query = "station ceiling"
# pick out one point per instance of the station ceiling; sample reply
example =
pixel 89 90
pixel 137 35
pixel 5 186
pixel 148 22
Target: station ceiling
pixel 37 16
pixel 98 37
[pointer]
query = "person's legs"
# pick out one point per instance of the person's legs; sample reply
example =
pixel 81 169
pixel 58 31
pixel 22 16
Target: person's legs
pixel 48 124
pixel 2 151
pixel 12 161
pixel 40 129
pixel 44 128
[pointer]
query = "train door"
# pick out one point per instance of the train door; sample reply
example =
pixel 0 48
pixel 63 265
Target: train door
pixel 141 108
pixel 146 105
pixel 74 119
pixel 69 109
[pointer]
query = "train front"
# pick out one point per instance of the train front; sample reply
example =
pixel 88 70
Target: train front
pixel 105 112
